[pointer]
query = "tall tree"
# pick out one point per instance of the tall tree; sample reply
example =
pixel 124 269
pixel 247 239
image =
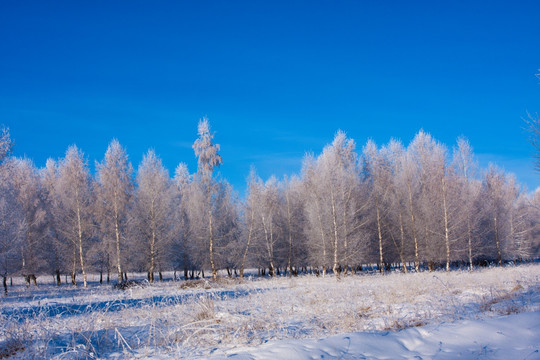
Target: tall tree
pixel 269 244
pixel 153 213
pixel 74 191
pixel 500 195
pixel 11 214
pixel 114 175
pixel 180 256
pixel 379 173
pixel 248 219
pixel 57 254
pixel 332 186
pixel 394 154
pixel 30 198
pixel 208 159
pixel 465 168
pixel 293 215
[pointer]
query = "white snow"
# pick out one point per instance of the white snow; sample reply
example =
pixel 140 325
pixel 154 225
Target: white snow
pixel 490 313
pixel 507 337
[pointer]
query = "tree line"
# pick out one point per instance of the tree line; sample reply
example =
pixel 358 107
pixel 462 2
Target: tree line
pixel 419 206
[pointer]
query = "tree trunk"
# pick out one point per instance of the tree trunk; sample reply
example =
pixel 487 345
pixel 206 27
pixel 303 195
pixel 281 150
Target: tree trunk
pixel 211 247
pixel 413 223
pixel 289 261
pixel 248 243
pixel 152 247
pixel 380 237
pixel 4 282
pixel 335 266
pixel 446 230
pixel 117 233
pixel 402 233
pixel 470 244
pixel 497 242
pixel 74 268
pixel 79 225
pixel 268 236
pixel 319 216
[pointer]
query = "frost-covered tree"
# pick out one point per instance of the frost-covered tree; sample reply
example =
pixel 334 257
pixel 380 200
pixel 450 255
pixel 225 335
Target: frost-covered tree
pixel 153 214
pixel 334 203
pixel 318 245
pixel 179 254
pixel 11 224
pixel 499 193
pixel 294 222
pixel 206 187
pixel 114 176
pixel 75 213
pixel 469 189
pixel 248 217
pixel 397 225
pixel 436 210
pixel 269 244
pixel 379 173
pixel 57 255
pixel 27 182
pixel 5 144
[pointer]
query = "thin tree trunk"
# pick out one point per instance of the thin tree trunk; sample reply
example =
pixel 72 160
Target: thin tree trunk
pixel 73 270
pixel 212 264
pixel 289 262
pixel 470 244
pixel 269 247
pixel 446 230
pixel 152 246
pixel 497 242
pixel 400 250
pixel 415 237
pixel 79 225
pixel 335 266
pixel 248 243
pixel 380 237
pixel 117 233
pixel 322 237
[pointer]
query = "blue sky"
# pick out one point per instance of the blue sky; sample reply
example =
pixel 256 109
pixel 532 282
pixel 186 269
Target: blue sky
pixel 276 79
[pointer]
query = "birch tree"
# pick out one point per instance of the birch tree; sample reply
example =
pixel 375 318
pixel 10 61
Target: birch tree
pixel 208 159
pixel 248 218
pixel 499 196
pixel 268 225
pixel 114 175
pixel 30 198
pixel 10 217
pixel 58 250
pixel 183 240
pixel 316 226
pixel 153 214
pixel 398 200
pixel 294 221
pixel 380 176
pixel 465 168
pixel 74 191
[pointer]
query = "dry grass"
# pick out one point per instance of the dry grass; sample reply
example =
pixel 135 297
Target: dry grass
pixel 198 318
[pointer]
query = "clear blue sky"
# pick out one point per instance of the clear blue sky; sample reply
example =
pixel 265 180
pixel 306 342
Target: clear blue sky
pixel 275 78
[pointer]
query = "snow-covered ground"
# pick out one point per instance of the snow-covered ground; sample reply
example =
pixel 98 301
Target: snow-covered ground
pixel 507 337
pixel 490 313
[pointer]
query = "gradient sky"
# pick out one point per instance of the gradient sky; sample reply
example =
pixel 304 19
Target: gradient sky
pixel 277 79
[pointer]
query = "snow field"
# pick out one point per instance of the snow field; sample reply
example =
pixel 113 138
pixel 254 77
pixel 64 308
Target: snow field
pixel 168 319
